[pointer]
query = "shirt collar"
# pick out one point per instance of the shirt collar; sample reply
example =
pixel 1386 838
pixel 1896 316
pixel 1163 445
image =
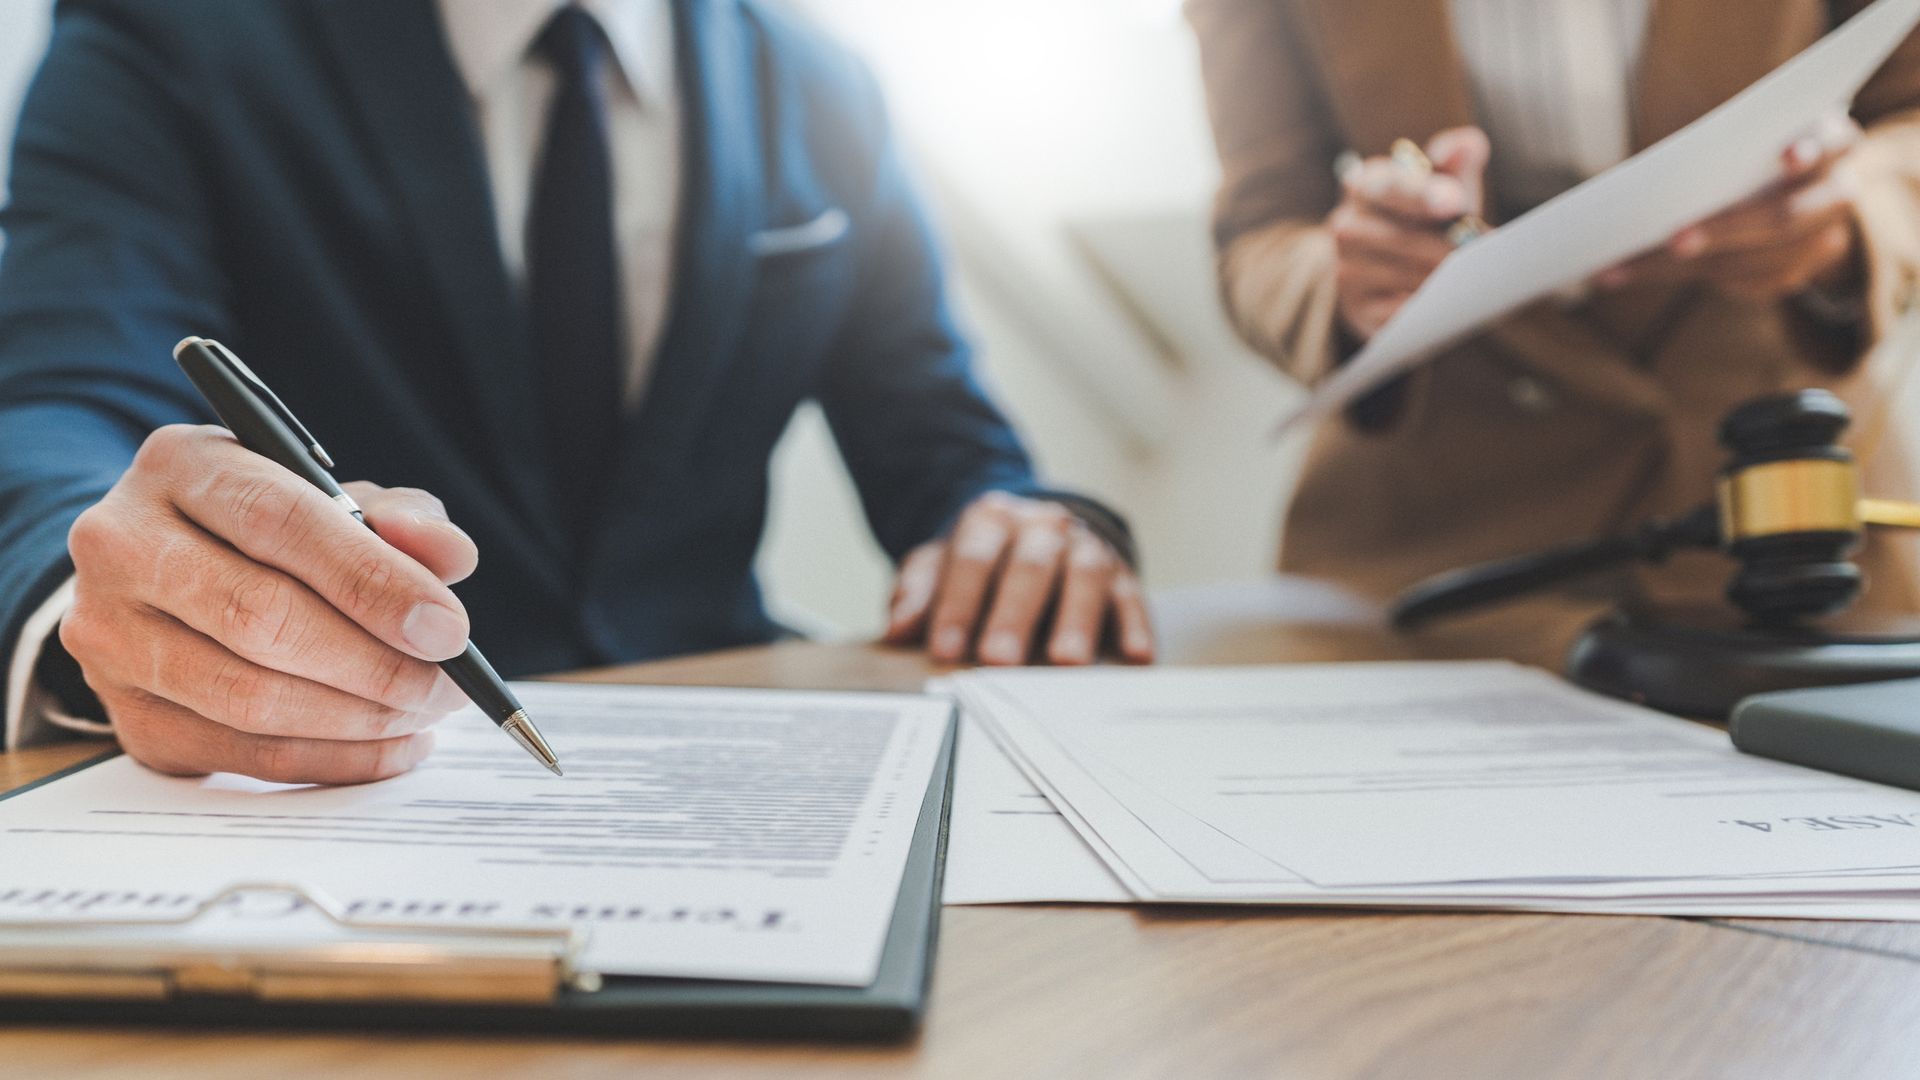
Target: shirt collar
pixel 489 39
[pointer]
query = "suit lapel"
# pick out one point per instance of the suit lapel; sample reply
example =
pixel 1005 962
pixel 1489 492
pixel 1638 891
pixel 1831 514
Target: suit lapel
pixel 1699 53
pixel 1393 69
pixel 415 109
pixel 722 203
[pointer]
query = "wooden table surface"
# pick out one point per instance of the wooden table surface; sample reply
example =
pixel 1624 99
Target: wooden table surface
pixel 1086 991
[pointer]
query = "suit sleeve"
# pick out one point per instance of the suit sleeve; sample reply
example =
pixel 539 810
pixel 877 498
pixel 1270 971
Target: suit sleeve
pixel 1276 141
pixel 916 429
pixel 1887 167
pixel 107 264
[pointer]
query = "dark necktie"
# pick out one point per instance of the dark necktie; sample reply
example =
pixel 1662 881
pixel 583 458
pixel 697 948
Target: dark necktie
pixel 573 277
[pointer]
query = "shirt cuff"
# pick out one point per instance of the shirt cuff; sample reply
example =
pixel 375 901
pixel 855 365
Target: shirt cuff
pixel 1102 522
pixel 32 711
pixel 1841 306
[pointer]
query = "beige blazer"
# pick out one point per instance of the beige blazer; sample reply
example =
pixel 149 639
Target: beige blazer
pixel 1560 422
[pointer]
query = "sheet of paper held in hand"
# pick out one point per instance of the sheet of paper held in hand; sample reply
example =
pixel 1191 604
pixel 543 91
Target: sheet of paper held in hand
pixel 1434 784
pixel 1725 156
pixel 698 833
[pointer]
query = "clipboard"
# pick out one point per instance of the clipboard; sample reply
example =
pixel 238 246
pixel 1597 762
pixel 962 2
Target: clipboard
pixel 397 976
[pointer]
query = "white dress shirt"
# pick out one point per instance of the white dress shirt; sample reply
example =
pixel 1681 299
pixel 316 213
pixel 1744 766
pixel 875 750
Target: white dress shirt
pixel 1552 83
pixel 511 89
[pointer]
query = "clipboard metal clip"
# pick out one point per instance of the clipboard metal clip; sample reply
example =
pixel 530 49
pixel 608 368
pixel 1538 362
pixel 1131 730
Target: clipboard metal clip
pixel 280 942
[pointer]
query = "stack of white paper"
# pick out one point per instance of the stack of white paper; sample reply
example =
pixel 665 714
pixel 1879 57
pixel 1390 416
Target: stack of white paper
pixel 1458 785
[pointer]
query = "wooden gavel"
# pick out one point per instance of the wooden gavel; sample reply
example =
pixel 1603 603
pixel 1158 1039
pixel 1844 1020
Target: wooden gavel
pixel 1787 509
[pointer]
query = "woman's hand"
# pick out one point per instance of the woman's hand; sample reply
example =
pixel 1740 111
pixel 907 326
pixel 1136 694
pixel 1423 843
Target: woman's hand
pixel 1389 231
pixel 1798 234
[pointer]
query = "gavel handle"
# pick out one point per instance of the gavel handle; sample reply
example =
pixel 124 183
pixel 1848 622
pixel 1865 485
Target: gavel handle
pixel 1504 579
pixel 1891 513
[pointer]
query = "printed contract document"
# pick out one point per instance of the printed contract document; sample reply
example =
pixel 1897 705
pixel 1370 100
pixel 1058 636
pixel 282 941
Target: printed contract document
pixel 1438 784
pixel 720 834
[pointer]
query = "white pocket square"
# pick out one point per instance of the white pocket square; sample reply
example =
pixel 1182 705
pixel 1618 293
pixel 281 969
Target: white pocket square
pixel 826 229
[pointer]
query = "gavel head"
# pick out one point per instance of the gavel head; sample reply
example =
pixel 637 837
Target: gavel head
pixel 1789 502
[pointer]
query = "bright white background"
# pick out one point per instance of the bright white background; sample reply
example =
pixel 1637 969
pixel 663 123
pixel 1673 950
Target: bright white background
pixel 1064 145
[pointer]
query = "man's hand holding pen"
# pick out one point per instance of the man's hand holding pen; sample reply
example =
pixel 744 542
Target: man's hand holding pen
pixel 232 618
pixel 1399 215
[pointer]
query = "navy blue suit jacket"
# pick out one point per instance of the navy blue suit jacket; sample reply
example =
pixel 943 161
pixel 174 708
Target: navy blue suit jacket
pixel 302 180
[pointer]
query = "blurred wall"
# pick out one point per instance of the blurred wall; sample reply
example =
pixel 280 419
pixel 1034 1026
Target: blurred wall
pixel 23 33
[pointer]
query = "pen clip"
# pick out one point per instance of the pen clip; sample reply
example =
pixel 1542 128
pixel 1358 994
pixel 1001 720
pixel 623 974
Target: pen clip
pixel 272 400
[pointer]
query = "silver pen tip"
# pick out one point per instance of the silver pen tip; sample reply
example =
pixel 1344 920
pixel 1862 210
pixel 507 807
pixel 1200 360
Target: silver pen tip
pixel 520 727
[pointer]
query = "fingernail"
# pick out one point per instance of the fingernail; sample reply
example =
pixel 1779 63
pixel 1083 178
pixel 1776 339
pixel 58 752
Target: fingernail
pixel 1002 647
pixel 950 642
pixel 981 543
pixel 1442 203
pixel 435 631
pixel 1689 244
pixel 1072 647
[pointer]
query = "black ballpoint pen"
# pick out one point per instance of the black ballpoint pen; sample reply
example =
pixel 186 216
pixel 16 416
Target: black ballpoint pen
pixel 264 425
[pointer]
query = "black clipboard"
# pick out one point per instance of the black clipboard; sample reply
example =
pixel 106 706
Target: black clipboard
pixel 888 1008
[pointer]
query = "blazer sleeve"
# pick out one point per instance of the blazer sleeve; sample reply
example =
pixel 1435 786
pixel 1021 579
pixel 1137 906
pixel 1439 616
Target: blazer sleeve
pixel 1887 168
pixel 107 264
pixel 917 431
pixel 1272 126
